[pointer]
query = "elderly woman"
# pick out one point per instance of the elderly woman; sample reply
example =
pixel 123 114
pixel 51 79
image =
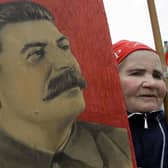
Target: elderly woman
pixel 144 90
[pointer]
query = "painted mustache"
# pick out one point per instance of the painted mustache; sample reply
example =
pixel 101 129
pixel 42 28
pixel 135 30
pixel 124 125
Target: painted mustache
pixel 68 79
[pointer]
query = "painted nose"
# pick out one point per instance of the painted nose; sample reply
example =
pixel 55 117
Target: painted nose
pixel 59 61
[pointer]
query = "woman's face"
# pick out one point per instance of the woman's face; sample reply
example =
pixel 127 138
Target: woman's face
pixel 142 81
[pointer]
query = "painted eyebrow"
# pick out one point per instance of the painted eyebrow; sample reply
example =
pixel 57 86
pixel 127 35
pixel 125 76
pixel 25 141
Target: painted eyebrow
pixel 31 45
pixel 61 39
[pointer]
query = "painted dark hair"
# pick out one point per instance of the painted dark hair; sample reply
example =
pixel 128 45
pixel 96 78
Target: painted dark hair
pixel 19 11
pixel 22 10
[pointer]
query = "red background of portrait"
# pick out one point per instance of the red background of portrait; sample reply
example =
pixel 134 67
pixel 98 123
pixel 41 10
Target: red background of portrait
pixel 85 23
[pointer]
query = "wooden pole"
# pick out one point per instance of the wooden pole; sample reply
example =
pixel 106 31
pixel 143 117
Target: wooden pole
pixel 158 43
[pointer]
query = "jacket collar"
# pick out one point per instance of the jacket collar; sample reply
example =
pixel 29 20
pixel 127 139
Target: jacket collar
pixel 145 120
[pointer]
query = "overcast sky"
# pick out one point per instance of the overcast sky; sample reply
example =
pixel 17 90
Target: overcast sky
pixel 129 19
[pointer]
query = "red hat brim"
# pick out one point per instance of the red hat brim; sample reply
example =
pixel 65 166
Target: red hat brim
pixel 123 48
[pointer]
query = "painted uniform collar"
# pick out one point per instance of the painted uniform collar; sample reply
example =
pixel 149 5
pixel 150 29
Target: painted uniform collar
pixel 81 146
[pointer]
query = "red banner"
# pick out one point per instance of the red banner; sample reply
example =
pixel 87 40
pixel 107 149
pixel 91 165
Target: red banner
pixel 85 24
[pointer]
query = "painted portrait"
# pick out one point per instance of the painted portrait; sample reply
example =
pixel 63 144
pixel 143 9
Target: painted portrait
pixel 60 98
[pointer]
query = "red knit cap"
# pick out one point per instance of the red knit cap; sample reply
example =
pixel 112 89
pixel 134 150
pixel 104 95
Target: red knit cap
pixel 123 48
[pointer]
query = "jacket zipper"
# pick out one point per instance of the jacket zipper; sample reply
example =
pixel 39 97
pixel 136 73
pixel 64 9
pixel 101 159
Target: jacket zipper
pixel 164 140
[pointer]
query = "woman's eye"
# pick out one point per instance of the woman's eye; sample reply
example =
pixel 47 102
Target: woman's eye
pixel 158 75
pixel 36 55
pixel 136 73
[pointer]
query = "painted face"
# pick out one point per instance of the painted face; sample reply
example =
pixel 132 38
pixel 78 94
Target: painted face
pixel 40 78
pixel 142 81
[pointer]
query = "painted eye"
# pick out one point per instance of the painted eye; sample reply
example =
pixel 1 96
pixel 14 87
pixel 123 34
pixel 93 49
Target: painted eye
pixel 63 43
pixel 64 46
pixel 36 55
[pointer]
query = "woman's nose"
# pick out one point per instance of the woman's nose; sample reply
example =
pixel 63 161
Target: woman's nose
pixel 149 82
